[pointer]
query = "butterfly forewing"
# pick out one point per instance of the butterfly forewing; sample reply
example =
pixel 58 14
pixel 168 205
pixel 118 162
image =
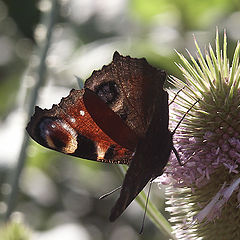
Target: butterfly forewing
pixel 69 128
pixel 128 86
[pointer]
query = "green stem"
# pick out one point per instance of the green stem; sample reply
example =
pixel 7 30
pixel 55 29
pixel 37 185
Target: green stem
pixel 11 201
pixel 152 212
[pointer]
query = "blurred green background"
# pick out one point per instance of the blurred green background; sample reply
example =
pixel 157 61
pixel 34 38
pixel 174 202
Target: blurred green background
pixel 58 194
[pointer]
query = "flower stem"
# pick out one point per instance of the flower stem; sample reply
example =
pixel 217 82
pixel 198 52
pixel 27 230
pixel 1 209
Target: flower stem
pixel 11 201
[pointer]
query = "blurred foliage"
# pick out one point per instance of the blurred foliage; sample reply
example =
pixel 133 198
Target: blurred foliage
pixel 14 231
pixel 56 190
pixel 26 19
pixel 192 13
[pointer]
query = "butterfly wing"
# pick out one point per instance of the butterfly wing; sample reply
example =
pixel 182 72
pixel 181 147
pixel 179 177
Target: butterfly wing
pixel 82 125
pixel 151 156
pixel 69 128
pixel 128 86
pixel 109 122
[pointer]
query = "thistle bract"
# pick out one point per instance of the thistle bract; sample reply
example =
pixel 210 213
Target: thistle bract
pixel 204 194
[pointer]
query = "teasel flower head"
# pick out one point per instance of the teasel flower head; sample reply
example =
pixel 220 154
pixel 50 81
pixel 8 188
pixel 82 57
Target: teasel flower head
pixel 204 194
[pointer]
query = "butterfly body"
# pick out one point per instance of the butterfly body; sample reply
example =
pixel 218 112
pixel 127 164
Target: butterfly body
pixel 121 116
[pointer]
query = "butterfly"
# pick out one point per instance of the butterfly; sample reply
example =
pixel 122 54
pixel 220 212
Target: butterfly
pixel 120 116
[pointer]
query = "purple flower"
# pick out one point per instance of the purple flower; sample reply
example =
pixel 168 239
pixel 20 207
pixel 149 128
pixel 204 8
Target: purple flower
pixel 204 194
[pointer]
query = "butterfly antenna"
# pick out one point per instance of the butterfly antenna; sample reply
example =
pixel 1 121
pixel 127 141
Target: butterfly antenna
pixel 173 132
pixel 109 193
pixel 145 210
pixel 176 95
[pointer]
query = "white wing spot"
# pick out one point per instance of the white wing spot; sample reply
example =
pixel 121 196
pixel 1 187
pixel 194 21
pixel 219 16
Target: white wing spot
pixel 82 113
pixel 73 120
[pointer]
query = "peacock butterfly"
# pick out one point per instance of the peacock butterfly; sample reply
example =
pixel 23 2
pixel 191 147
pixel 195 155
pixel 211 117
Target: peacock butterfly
pixel 120 116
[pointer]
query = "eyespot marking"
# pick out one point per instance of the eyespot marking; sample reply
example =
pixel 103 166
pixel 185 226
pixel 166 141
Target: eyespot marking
pixel 59 135
pixel 108 91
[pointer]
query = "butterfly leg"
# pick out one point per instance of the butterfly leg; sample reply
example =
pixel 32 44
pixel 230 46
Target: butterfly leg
pixel 177 156
pixel 146 205
pixel 109 193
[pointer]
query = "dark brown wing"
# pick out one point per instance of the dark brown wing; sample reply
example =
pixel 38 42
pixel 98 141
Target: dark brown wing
pixel 128 86
pixel 150 158
pixel 109 122
pixel 83 126
pixel 69 128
